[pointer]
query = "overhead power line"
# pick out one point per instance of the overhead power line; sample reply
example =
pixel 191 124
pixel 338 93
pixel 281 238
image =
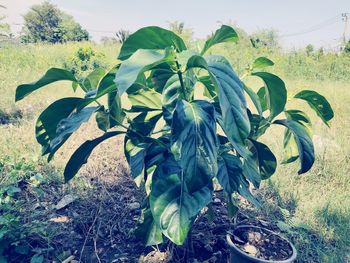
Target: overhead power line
pixel 328 22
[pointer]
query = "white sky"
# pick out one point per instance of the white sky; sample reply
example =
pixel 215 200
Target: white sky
pixel 288 16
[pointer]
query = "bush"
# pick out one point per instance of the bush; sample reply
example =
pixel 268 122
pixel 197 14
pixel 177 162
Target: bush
pixel 83 61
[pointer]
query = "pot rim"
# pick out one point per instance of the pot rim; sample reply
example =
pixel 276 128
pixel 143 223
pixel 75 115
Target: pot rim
pixel 254 259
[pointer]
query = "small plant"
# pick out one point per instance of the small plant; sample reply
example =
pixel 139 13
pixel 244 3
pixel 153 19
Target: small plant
pixel 83 61
pixel 185 121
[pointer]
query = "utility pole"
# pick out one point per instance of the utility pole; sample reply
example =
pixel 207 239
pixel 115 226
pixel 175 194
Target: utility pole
pixel 345 19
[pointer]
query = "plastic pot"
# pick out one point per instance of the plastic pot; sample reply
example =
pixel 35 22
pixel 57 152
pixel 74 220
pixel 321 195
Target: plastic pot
pixel 239 256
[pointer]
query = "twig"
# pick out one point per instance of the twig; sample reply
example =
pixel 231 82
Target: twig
pixel 88 233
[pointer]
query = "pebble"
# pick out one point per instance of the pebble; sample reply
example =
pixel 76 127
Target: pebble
pixel 250 249
pixel 216 201
pixel 134 205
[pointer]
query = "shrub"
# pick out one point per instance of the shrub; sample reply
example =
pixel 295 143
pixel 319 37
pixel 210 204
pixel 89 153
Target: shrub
pixel 83 61
pixel 188 125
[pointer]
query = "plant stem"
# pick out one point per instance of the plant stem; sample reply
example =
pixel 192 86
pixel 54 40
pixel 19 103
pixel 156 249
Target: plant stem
pixel 179 73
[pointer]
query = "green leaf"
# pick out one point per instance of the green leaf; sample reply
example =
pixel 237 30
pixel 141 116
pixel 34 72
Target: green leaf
pixel 304 142
pixel 255 98
pixel 318 103
pixel 146 100
pixel 174 208
pixel 145 122
pixel 148 230
pixel 81 155
pixel 276 93
pixel 235 121
pixel 135 155
pixel 301 118
pixel 133 68
pixel 48 120
pixel 251 170
pixel 172 93
pixel 52 75
pixel 151 37
pixel 159 76
pixel 92 81
pixel 102 119
pixel 262 98
pixel 194 142
pixel 262 63
pixel 290 146
pixel 67 126
pixel 209 90
pixel 231 178
pixel 266 159
pixel 223 34
pixel 115 110
pixel 229 172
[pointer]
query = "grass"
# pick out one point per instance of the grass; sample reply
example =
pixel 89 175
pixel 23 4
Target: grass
pixel 318 203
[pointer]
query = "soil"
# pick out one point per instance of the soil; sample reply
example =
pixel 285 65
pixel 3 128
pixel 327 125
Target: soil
pixel 100 214
pixel 261 244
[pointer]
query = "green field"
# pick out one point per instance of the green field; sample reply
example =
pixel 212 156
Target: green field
pixel 318 203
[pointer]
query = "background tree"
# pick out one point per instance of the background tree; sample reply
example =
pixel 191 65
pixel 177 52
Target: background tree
pixel 309 49
pixel 46 23
pixel 265 38
pixel 347 48
pixel 180 29
pixel 5 30
pixel 122 35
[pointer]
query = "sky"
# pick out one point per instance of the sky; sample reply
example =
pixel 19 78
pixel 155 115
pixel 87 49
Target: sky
pixel 298 22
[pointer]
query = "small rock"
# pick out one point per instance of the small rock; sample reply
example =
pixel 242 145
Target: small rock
pixel 66 200
pixel 250 249
pixel 216 201
pixel 134 205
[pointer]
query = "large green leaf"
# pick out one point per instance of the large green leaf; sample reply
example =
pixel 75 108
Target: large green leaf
pixel 266 159
pixel 223 34
pixel 194 142
pixel 159 76
pixel 230 177
pixel 133 68
pixel 229 172
pixel 255 98
pixel 290 146
pixel 81 155
pixel 318 103
pixel 135 154
pixel 233 105
pixel 46 125
pixel 172 93
pixel 174 208
pixel 52 75
pixel 148 230
pixel 276 93
pixel 145 122
pixel 151 37
pixel 115 111
pixel 67 126
pixel 304 142
pixel 147 100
